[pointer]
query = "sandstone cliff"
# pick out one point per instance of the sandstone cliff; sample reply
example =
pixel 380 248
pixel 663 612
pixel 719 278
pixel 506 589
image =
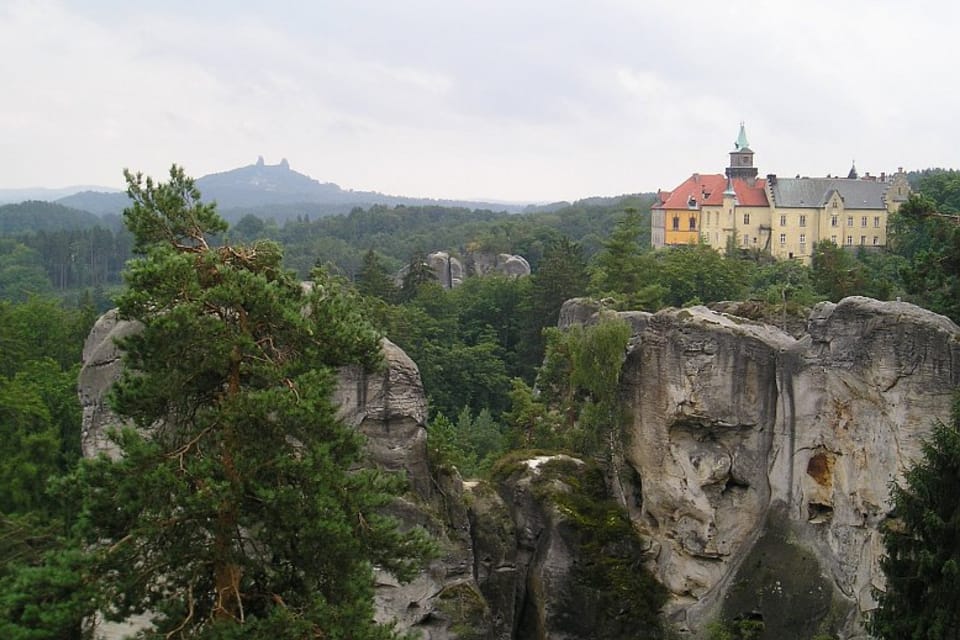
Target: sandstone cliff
pixel 759 464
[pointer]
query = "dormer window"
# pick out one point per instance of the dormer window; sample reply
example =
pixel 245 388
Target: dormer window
pixel 692 202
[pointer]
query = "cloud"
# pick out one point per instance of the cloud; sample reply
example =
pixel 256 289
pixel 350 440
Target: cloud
pixel 532 100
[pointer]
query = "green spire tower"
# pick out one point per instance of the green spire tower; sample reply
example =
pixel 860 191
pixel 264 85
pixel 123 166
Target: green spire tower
pixel 741 159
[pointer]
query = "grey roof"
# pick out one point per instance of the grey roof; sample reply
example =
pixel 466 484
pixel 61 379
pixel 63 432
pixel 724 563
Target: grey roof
pixel 815 192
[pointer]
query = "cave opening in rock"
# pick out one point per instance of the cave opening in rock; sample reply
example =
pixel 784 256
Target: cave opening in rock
pixel 818 512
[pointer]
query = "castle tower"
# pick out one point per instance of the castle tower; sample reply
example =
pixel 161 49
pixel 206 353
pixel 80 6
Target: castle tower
pixel 741 159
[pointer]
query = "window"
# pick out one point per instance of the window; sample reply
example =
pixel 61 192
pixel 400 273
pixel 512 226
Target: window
pixel 849 241
pixel 834 204
pixel 676 223
pixel 803 221
pixel 783 220
pixel 746 239
pixel 876 222
pixel 863 221
pixel 693 223
pixel 746 218
pixel 849 221
pixel 783 239
pixel 833 221
pixel 876 241
pixel 833 239
pixel 803 238
pixel 863 240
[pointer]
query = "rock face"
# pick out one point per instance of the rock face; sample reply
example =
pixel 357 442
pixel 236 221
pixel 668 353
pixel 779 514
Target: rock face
pixel 448 268
pixel 451 271
pixel 480 263
pixel 556 557
pixel 764 461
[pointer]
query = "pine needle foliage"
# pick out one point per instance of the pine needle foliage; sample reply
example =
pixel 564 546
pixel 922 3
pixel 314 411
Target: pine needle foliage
pixel 236 508
pixel 921 600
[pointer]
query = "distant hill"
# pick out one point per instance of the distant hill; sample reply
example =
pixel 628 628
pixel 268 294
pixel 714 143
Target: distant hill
pixel 279 192
pixel 97 202
pixel 34 215
pixel 12 196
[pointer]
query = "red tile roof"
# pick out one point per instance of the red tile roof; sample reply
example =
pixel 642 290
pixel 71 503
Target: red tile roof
pixel 708 189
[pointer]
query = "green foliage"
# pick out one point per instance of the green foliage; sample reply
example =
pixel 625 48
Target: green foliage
pixel 49 600
pixel 373 279
pixel 418 273
pixel 625 269
pixel 784 282
pixel 35 215
pixel 698 274
pixel 236 509
pixel 929 245
pixel 836 272
pixel 743 629
pixel 21 272
pixel 942 187
pixel 562 274
pixel 613 588
pixel 471 444
pixel 921 599
pixel 531 422
pixel 579 404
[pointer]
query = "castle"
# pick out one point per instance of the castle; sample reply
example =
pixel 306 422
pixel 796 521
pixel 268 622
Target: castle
pixel 784 217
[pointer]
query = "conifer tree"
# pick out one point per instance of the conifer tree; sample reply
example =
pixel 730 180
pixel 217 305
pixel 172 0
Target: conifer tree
pixel 236 509
pixel 373 279
pixel 921 600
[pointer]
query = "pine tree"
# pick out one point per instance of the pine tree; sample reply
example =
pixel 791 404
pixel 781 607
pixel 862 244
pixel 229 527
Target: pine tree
pixel 236 509
pixel 373 279
pixel 921 600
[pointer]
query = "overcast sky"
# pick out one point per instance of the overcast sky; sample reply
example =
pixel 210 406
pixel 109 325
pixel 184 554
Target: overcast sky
pixel 513 100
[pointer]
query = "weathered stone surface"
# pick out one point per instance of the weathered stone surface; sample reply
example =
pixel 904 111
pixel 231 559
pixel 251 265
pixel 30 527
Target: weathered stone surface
pixel 448 268
pixel 101 368
pixel 481 263
pixel 389 407
pixel 555 557
pixel 733 421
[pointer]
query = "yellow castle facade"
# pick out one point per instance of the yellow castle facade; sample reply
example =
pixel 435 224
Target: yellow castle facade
pixel 784 217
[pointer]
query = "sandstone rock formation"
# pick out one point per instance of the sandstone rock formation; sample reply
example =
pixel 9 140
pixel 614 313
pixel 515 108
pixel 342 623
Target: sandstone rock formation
pixel 451 271
pixel 762 461
pixel 448 268
pixel 482 263
pixel 755 464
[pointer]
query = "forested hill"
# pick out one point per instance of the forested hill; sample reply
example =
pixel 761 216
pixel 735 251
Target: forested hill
pixel 70 250
pixel 278 192
pixel 35 215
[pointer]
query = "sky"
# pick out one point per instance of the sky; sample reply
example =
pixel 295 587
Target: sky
pixel 513 100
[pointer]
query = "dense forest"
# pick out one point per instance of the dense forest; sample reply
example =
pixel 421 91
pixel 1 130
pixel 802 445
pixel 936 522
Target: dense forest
pixel 482 348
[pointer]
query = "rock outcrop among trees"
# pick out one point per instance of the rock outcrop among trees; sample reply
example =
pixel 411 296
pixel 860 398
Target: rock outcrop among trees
pixel 754 467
